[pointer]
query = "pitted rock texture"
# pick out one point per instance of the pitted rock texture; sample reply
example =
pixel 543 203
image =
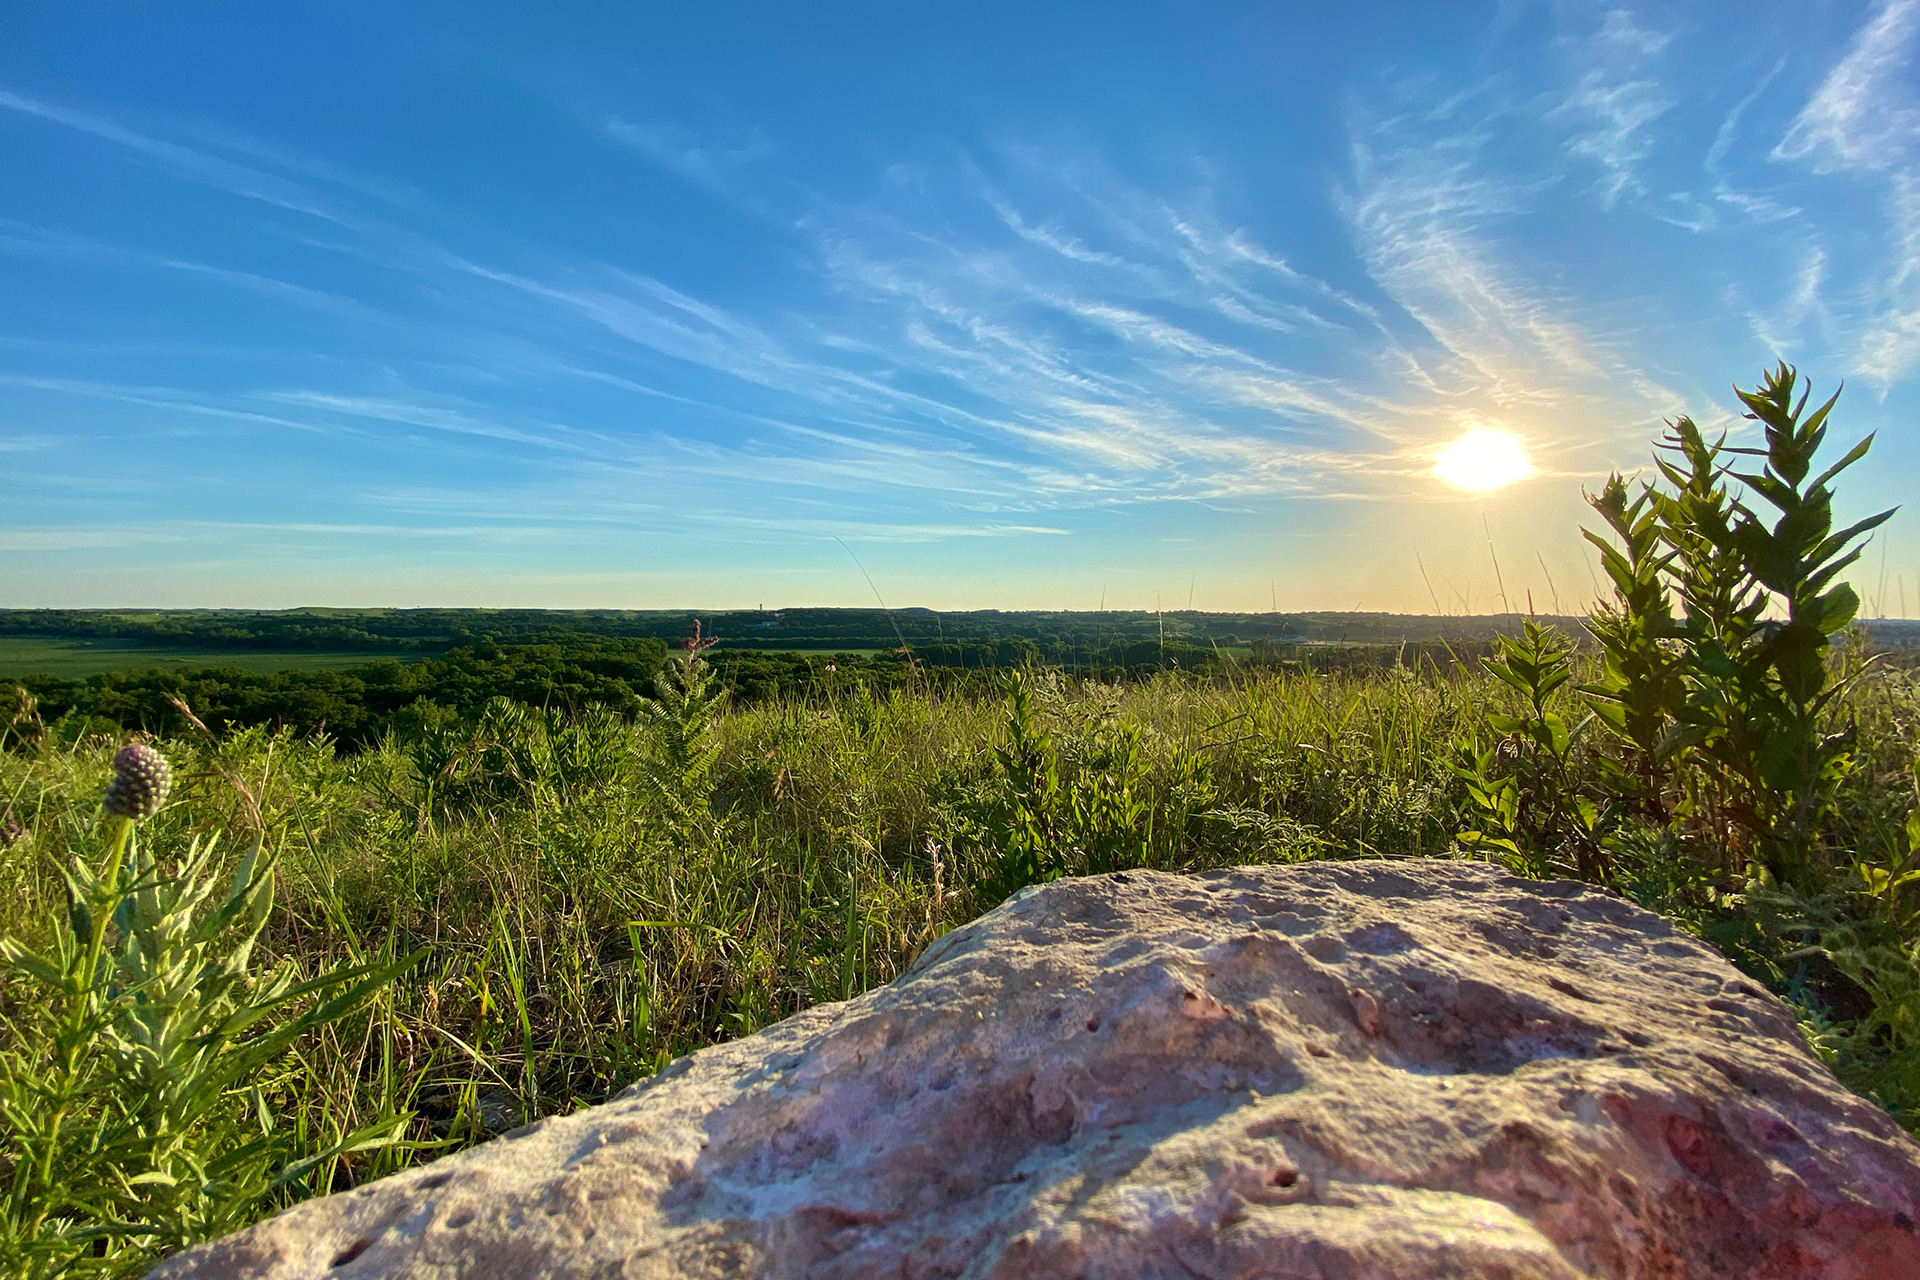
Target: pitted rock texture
pixel 1380 1070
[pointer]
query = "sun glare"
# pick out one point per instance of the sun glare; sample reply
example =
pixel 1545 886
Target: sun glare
pixel 1483 460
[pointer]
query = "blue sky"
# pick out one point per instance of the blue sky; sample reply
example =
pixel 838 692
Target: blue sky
pixel 1015 305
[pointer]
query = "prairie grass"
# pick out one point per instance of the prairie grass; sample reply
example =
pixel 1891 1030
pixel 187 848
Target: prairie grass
pixel 584 922
pixel 591 897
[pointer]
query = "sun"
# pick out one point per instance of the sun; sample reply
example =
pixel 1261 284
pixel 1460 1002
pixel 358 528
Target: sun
pixel 1483 460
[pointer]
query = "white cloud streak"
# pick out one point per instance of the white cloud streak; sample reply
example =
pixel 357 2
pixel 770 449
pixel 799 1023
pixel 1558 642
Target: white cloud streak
pixel 239 179
pixel 1863 116
pixel 1864 120
pixel 1615 104
pixel 681 151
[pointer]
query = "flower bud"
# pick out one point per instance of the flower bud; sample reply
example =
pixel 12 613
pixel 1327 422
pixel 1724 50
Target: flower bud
pixel 141 778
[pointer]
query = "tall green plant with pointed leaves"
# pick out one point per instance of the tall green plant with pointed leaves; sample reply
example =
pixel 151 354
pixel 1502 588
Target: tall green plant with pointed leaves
pixel 1797 556
pixel 1762 600
pixel 1528 804
pixel 1640 689
pixel 1713 726
pixel 134 1122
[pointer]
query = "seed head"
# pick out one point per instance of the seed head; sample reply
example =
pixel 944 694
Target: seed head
pixel 11 832
pixel 141 778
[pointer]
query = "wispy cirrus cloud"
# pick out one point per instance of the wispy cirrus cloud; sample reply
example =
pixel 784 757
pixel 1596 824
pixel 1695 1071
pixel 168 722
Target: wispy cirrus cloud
pixel 700 161
pixel 1066 338
pixel 83 539
pixel 1616 101
pixel 27 241
pixel 1864 114
pixel 1069 338
pixel 1864 120
pixel 1134 344
pixel 202 166
pixel 1432 211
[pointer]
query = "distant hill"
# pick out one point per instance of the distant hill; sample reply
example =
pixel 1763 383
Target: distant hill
pixel 428 630
pixel 425 632
pixel 361 674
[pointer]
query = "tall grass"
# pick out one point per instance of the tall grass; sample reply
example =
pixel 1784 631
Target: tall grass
pixel 593 897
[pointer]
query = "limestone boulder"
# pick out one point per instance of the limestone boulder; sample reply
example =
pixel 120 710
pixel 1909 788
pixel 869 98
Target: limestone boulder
pixel 1362 1069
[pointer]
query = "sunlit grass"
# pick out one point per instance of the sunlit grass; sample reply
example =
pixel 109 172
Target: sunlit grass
pixel 583 922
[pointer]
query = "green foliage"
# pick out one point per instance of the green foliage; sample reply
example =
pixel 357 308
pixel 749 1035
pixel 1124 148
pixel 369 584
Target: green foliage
pixel 1086 802
pixel 360 705
pixel 1868 927
pixel 1024 817
pixel 1640 689
pixel 1740 691
pixel 1740 737
pixel 1795 764
pixel 985 638
pixel 681 721
pixel 1523 786
pixel 130 1085
pixel 458 660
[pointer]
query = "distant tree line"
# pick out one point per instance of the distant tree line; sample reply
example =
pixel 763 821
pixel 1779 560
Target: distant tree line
pixel 1050 636
pixel 360 705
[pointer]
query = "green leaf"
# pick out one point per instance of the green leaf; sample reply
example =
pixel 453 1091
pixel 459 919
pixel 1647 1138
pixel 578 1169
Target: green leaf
pixel 1587 812
pixel 381 1135
pixel 1834 542
pixel 1506 672
pixel 1854 455
pixel 17 957
pixel 1836 609
pixel 1553 735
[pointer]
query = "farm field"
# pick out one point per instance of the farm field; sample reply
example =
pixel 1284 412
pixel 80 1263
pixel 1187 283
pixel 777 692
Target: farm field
pixel 78 658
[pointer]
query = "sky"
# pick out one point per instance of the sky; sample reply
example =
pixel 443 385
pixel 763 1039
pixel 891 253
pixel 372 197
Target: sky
pixel 968 306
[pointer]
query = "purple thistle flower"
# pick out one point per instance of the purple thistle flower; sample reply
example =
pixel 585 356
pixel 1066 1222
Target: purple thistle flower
pixel 141 777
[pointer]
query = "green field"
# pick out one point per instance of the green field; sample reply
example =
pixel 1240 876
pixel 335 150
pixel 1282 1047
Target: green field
pixel 77 658
pixel 576 900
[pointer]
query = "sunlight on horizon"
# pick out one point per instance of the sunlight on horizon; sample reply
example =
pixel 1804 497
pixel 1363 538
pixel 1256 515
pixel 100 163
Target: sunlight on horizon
pixel 1483 460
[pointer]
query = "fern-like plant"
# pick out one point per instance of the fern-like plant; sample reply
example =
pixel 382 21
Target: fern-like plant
pixel 680 721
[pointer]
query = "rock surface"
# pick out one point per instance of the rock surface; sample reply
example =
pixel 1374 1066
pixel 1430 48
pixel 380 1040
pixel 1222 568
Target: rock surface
pixel 1392 1070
